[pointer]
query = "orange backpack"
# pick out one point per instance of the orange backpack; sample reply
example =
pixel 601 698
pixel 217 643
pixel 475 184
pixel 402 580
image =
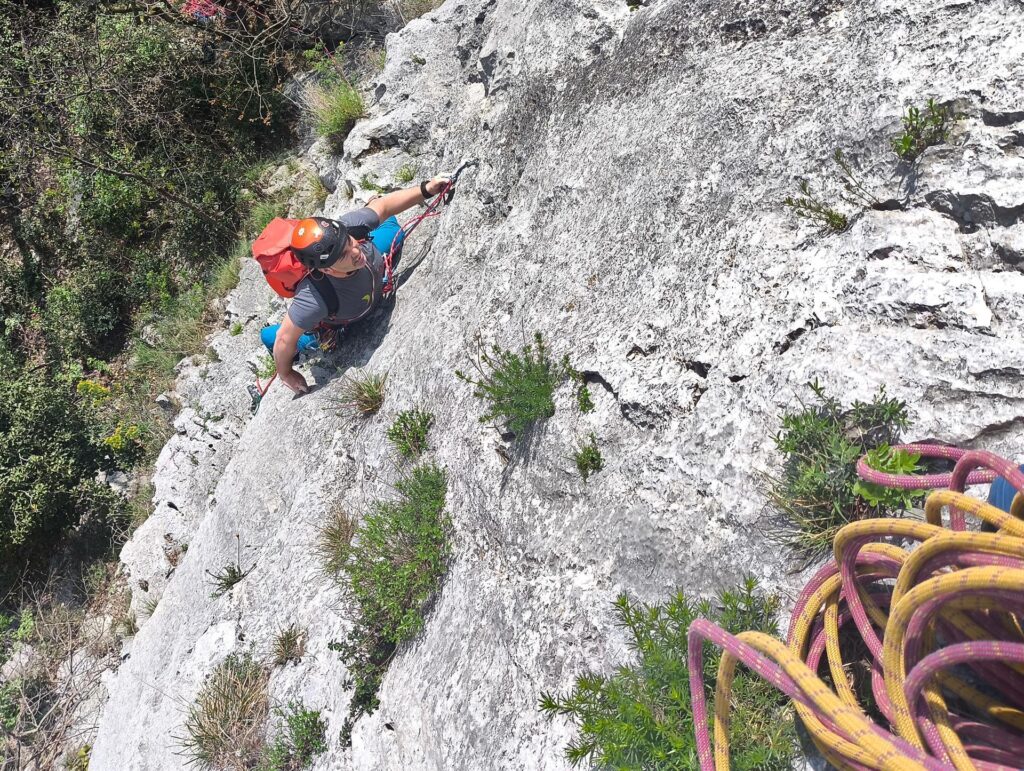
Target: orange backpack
pixel 272 251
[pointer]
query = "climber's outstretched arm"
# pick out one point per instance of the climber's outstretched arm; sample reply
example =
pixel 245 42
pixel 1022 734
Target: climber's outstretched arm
pixel 285 346
pixel 397 202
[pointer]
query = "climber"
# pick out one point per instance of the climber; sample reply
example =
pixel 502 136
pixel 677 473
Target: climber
pixel 346 263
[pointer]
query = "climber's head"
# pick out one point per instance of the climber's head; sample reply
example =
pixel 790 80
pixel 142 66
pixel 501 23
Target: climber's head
pixel 318 243
pixel 325 245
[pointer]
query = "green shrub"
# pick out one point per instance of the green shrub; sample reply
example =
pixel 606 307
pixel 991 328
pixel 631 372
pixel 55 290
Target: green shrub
pixel 266 367
pixel 921 130
pixel 588 458
pixel 640 717
pixel 226 724
pixel 808 207
pixel 79 760
pixel 336 108
pixel 393 568
pixel 49 456
pixel 408 434
pixel 885 458
pixel 303 738
pixel 820 445
pixel 519 387
pixel 236 329
pixel 363 393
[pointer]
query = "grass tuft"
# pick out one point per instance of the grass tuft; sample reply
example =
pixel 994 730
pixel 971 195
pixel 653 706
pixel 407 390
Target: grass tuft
pixel 336 108
pixel 334 541
pixel 289 645
pixel 408 434
pixel 363 394
pixel 226 724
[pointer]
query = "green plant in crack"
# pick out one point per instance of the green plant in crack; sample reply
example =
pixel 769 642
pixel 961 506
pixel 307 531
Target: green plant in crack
pixel 891 461
pixel 229 575
pixel 518 387
pixel 392 569
pixel 922 129
pixel 369 182
pixel 406 174
pixel 640 716
pixel 304 736
pixel 588 458
pixel 408 434
pixel 809 207
pixel 814 492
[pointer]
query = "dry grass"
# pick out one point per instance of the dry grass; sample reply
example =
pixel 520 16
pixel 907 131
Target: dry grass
pixel 289 645
pixel 227 723
pixel 72 646
pixel 334 540
pixel 363 394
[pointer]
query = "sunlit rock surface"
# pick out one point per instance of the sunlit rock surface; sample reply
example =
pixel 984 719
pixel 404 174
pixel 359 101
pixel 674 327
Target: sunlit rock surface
pixel 629 206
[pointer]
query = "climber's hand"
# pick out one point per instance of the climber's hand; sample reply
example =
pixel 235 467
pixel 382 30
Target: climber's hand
pixel 437 184
pixel 294 381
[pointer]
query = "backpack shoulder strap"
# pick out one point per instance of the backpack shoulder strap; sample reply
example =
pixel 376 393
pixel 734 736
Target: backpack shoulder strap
pixel 325 289
pixel 359 232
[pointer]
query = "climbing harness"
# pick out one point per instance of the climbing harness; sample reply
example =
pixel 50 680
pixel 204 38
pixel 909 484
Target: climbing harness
pixel 942 623
pixel 284 272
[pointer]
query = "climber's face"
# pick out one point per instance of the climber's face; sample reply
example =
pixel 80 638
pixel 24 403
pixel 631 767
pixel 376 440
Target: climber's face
pixel 351 259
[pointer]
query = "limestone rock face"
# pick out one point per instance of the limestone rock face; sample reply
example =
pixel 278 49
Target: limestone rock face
pixel 628 204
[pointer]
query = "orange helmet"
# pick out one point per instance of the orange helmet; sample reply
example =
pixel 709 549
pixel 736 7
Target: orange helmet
pixel 317 242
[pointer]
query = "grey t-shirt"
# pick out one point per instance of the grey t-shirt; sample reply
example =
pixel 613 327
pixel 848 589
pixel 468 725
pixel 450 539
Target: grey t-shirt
pixel 357 294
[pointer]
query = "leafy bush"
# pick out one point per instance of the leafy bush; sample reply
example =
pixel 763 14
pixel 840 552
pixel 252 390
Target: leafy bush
pixel 363 393
pixel 821 444
pixel 393 567
pixel 588 458
pixel 49 456
pixel 921 130
pixel 408 433
pixel 519 387
pixel 304 737
pixel 640 717
pixel 885 458
pixel 226 724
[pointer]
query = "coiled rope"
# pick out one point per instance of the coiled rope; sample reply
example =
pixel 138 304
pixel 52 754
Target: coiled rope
pixel 941 617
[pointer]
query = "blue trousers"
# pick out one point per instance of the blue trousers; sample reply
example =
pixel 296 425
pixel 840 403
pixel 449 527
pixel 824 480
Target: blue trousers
pixel 382 237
